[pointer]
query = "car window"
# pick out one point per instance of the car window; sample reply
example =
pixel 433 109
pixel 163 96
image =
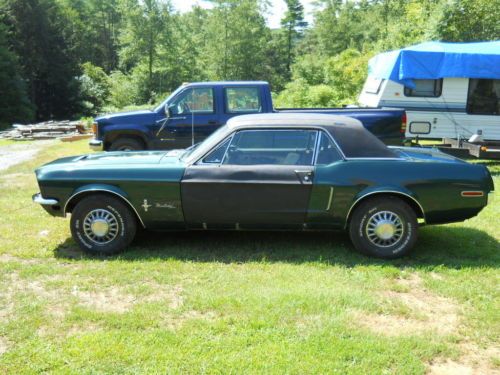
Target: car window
pixel 327 151
pixel 425 88
pixel 484 97
pixel 196 100
pixel 276 147
pixel 242 100
pixel 216 156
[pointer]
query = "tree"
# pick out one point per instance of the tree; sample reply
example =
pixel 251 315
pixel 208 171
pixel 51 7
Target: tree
pixel 468 20
pixel 293 23
pixel 49 64
pixel 14 103
pixel 236 40
pixel 147 26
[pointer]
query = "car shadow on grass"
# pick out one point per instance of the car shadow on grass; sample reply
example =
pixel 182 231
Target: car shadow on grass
pixel 449 246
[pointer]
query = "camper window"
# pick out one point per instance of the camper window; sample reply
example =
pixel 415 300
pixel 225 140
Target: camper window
pixel 373 85
pixel 484 97
pixel 425 88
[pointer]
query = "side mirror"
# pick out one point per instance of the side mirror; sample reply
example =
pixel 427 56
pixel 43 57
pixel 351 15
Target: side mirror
pixel 168 111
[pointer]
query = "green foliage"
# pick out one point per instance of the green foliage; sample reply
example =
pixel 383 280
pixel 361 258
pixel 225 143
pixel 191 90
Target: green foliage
pixel 14 103
pixel 94 88
pixel 80 57
pixel 468 20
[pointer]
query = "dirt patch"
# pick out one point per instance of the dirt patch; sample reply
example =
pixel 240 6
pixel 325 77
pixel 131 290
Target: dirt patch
pixel 18 153
pixel 110 300
pixel 4 346
pixel 472 361
pixel 426 311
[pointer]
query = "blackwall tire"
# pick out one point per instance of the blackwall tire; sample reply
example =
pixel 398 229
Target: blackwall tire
pixel 102 225
pixel 384 227
pixel 126 144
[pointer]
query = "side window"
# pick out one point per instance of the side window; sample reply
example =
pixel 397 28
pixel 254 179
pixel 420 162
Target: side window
pixel 275 147
pixel 216 156
pixel 373 85
pixel 428 88
pixel 196 100
pixel 327 151
pixel 242 100
pixel 484 97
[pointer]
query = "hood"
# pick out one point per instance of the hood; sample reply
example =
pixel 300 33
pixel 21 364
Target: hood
pixel 110 162
pixel 137 117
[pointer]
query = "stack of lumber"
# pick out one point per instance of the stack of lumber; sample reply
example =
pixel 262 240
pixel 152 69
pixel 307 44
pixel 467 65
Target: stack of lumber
pixel 45 130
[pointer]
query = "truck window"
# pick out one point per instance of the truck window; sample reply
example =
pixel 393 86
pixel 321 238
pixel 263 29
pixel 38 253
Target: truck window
pixel 484 97
pixel 196 100
pixel 426 88
pixel 242 100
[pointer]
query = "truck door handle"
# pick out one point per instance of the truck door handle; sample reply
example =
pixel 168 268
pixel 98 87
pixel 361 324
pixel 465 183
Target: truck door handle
pixel 212 122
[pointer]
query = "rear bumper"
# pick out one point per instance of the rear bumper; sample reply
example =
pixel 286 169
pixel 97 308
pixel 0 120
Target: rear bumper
pixel 96 145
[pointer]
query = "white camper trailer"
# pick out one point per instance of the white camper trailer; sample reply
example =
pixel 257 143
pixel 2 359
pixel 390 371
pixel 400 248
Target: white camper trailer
pixel 449 90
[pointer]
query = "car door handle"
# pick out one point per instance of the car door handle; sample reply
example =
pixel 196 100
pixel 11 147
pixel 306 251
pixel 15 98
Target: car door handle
pixel 305 175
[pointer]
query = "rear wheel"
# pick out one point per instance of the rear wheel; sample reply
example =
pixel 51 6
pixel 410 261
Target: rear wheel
pixel 384 227
pixel 126 144
pixel 101 224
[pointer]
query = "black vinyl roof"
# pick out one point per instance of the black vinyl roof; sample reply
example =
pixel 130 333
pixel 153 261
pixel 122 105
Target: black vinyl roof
pixel 354 140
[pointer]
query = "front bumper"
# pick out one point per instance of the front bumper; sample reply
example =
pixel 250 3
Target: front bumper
pixel 37 198
pixel 96 145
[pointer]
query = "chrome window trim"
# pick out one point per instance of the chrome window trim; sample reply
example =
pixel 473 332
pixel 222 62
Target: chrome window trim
pixel 381 192
pixel 200 160
pixel 341 153
pixel 107 191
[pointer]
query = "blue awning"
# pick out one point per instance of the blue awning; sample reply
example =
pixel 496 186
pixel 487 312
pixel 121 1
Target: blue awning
pixel 434 60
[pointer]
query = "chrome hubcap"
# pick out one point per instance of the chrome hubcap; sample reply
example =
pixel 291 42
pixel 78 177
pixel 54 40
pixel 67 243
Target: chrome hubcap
pixel 384 229
pixel 100 226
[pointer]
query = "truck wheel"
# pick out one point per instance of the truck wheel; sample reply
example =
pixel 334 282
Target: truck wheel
pixel 126 144
pixel 384 227
pixel 101 224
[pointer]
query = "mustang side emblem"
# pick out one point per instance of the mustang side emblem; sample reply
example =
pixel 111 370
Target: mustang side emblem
pixel 164 205
pixel 145 205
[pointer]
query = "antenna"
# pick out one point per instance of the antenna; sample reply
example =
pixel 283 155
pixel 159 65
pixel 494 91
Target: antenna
pixel 192 127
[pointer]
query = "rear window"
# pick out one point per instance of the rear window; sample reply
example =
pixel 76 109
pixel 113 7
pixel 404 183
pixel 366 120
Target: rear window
pixel 243 100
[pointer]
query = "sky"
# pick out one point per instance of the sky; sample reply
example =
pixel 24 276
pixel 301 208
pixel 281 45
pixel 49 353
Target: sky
pixel 276 10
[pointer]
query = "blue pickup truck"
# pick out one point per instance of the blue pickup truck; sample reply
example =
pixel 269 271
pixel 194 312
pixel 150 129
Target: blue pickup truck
pixel 195 110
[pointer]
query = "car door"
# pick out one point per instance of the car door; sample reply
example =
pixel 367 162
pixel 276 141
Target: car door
pixel 256 179
pixel 192 118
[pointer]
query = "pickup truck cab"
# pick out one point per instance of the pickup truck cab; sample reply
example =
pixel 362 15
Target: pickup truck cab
pixel 195 110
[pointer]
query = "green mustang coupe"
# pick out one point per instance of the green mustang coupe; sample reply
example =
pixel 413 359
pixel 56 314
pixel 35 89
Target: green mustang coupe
pixel 267 172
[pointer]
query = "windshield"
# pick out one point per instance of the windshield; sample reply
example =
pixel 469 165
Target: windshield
pixel 198 150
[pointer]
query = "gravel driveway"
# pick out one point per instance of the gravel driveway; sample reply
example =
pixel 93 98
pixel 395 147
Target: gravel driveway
pixel 17 153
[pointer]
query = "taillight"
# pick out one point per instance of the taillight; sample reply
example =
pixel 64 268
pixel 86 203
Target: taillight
pixel 403 123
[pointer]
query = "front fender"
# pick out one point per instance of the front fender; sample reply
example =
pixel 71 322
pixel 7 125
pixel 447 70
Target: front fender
pixel 110 133
pixel 96 188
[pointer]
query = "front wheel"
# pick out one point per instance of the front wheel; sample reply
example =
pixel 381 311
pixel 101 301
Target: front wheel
pixel 384 227
pixel 126 144
pixel 101 224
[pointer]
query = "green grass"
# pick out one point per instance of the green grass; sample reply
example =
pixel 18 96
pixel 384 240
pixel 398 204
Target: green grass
pixel 240 302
